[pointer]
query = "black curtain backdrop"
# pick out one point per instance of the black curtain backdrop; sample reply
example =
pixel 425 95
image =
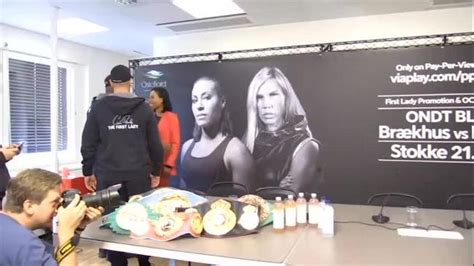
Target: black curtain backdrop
pixel 342 94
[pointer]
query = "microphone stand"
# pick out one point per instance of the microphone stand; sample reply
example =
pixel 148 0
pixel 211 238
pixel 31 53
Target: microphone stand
pixel 464 223
pixel 380 218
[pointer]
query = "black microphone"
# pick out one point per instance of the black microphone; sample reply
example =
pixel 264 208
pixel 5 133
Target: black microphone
pixel 464 223
pixel 380 218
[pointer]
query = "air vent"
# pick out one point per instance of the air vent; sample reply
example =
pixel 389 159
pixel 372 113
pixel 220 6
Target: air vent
pixel 209 24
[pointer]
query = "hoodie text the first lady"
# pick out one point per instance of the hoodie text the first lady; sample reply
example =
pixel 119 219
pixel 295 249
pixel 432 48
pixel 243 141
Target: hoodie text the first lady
pixel 120 139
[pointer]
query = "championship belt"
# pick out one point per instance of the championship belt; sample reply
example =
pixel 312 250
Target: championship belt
pixel 262 204
pixel 195 222
pixel 131 214
pixel 220 219
pixel 167 226
pixel 173 225
pixel 162 214
pixel 169 204
pixel 249 219
pixel 140 228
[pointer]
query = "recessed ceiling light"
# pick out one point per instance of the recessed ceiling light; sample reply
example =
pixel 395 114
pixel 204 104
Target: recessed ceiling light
pixel 209 8
pixel 78 26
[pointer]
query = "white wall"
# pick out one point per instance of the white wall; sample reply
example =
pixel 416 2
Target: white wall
pixel 441 21
pixel 90 66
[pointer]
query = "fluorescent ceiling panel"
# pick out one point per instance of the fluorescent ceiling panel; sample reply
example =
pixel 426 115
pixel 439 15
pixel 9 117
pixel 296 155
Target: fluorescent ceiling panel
pixel 209 8
pixel 78 26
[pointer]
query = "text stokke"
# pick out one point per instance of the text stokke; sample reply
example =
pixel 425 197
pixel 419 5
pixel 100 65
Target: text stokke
pixel 418 152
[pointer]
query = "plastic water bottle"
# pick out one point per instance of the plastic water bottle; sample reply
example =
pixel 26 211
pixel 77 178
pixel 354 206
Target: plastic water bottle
pixel 290 213
pixel 320 213
pixel 301 209
pixel 313 210
pixel 327 228
pixel 278 215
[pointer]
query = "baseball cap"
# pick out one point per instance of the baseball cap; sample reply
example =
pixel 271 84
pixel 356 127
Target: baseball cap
pixel 120 73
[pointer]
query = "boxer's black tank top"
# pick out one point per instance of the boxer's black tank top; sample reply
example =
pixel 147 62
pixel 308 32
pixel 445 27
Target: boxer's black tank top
pixel 201 172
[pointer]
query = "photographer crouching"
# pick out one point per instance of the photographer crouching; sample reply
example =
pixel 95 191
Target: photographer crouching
pixel 33 198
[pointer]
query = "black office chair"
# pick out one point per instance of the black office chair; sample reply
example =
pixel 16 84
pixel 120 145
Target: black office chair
pixel 270 193
pixel 195 191
pixel 227 189
pixel 401 200
pixel 465 202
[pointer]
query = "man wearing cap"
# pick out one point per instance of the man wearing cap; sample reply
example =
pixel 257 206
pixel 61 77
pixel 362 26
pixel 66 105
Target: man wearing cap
pixel 108 90
pixel 119 142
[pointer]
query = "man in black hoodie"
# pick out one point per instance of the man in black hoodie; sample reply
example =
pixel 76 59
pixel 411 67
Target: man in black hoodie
pixel 119 141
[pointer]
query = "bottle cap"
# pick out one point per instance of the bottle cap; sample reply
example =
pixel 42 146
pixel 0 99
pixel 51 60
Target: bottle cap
pixel 301 194
pixel 323 200
pixel 278 198
pixel 290 197
pixel 313 195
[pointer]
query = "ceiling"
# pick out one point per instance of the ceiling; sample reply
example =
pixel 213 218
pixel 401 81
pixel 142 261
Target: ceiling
pixel 133 27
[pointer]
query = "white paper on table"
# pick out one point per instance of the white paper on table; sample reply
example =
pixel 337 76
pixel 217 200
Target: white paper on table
pixel 430 233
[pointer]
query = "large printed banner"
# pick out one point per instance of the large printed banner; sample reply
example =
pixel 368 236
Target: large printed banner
pixel 345 125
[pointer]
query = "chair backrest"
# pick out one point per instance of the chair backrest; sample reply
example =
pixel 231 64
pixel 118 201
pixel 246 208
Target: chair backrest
pixel 464 201
pixel 395 199
pixel 227 189
pixel 195 191
pixel 270 193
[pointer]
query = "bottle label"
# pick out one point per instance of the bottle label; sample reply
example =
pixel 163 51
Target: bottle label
pixel 301 213
pixel 313 214
pixel 279 219
pixel 290 216
pixel 328 221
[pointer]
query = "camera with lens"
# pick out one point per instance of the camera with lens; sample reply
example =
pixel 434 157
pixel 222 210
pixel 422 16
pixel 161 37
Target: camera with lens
pixel 105 198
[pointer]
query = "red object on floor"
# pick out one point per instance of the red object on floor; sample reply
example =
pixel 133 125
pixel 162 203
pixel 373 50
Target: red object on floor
pixel 76 183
